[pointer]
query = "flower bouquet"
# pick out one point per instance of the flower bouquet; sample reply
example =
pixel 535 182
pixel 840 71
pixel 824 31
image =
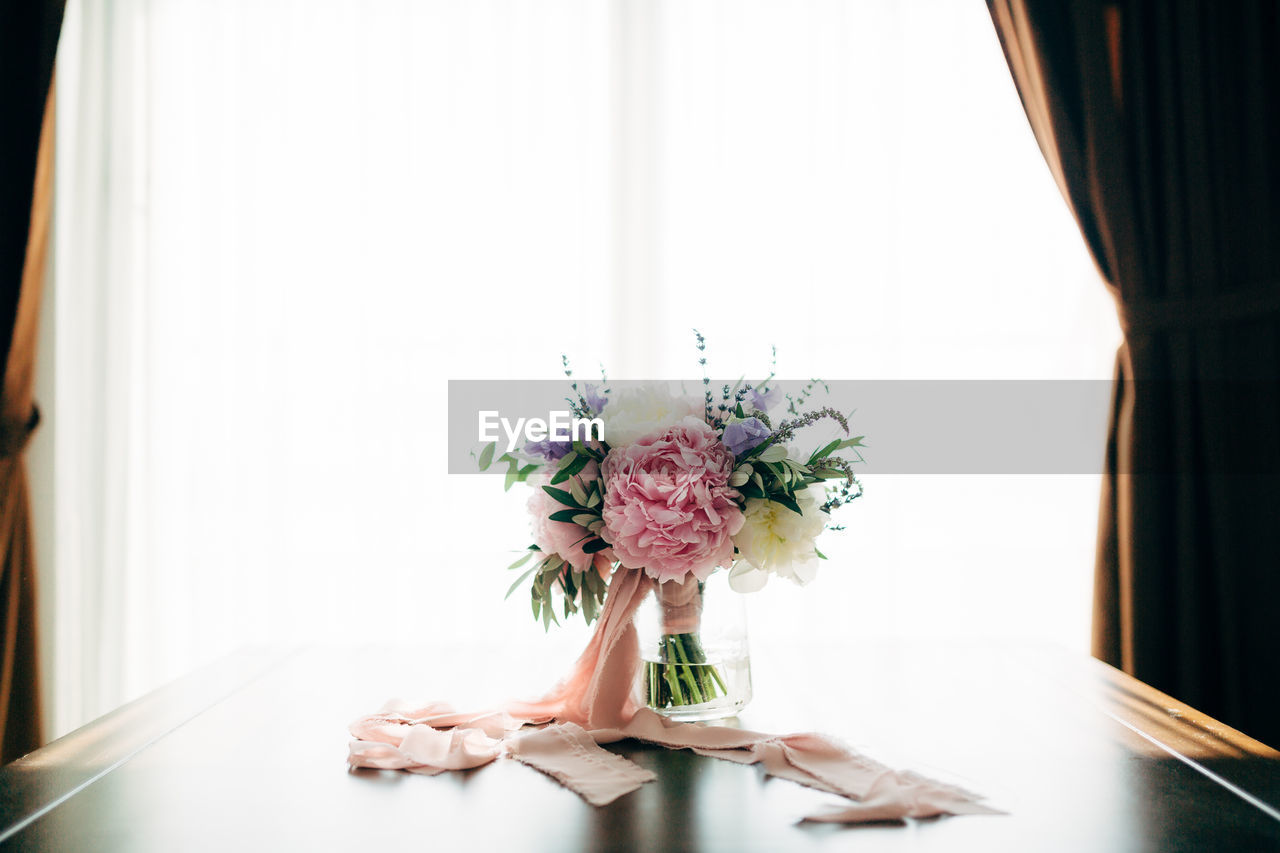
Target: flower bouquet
pixel 678 486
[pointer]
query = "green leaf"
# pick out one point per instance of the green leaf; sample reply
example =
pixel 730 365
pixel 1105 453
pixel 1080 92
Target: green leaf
pixel 821 556
pixel 520 562
pixel 519 581
pixel 562 473
pixel 585 519
pixel 775 453
pixel 758 449
pixel 787 501
pixel 594 546
pixel 582 448
pixel 564 514
pixel 486 456
pixel 562 496
pixel 856 441
pixel 574 464
pixel 775 470
pixel 825 451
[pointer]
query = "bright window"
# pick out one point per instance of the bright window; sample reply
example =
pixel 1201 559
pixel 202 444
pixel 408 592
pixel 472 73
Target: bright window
pixel 281 228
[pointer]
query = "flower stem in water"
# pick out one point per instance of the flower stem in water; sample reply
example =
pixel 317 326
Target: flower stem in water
pixel 683 676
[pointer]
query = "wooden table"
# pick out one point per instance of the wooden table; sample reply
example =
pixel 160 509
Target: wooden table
pixel 249 755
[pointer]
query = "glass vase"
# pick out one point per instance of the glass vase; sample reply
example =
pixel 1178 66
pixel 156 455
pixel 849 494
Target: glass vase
pixel 693 647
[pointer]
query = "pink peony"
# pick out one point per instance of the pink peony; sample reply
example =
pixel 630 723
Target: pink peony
pixel 564 537
pixel 668 507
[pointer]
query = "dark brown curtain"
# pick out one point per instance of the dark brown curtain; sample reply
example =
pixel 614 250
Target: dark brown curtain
pixel 28 41
pixel 1160 121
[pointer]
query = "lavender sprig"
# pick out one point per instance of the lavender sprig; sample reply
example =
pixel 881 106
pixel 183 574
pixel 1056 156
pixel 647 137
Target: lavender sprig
pixel 706 380
pixel 787 429
pixel 847 493
pixel 580 408
pixel 722 412
pixel 838 463
pixel 773 371
pixel 794 405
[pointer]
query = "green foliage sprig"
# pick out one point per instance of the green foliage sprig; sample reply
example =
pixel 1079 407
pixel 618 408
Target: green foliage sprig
pixel 518 470
pixel 767 472
pixel 583 591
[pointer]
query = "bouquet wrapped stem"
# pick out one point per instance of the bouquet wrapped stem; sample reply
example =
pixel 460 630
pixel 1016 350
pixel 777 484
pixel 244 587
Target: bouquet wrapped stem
pixel 681 675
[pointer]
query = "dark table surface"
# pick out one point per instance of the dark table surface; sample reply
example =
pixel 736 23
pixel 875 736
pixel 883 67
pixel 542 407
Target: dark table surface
pixel 249 755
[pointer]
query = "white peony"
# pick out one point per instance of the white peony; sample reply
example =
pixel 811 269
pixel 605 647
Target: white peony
pixel 645 410
pixel 775 540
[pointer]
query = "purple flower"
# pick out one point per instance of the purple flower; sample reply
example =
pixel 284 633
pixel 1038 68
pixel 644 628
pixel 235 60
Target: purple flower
pixel 741 436
pixel 548 449
pixel 596 401
pixel 763 402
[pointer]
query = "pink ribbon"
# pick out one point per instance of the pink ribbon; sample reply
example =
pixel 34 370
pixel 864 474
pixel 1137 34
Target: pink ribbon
pixel 681 606
pixel 596 704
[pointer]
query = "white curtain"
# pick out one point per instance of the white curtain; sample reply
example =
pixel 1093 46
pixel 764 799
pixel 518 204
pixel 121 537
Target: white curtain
pixel 282 226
